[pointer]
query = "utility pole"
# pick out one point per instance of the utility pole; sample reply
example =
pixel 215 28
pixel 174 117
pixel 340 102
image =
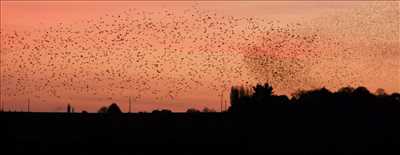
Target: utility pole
pixel 29 104
pixel 222 99
pixel 129 104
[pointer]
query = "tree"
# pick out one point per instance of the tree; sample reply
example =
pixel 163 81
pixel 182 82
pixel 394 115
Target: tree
pixel 69 108
pixel 235 96
pixel 262 93
pixel 113 109
pixel 380 92
pixel 347 90
pixel 163 111
pixel 208 110
pixel 361 91
pixel 192 110
pixel 240 97
pixel 263 90
pixel 102 110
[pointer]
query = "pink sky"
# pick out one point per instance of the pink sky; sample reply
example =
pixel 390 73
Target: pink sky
pixel 366 52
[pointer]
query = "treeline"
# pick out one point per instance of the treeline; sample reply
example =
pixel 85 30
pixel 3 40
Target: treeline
pixel 114 109
pixel 260 99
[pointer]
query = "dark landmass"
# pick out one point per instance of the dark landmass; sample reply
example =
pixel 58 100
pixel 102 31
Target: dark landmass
pixel 318 121
pixel 198 133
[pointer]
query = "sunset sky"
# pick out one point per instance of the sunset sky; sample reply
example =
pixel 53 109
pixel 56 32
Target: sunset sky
pixel 179 55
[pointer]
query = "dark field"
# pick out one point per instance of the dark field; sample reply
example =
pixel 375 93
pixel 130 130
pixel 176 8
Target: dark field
pixel 200 133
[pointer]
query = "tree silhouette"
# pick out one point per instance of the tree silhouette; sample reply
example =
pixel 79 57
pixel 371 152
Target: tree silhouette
pixel 208 110
pixel 103 110
pixel 346 100
pixel 163 111
pixel 240 98
pixel 262 93
pixel 192 110
pixel 69 108
pixel 380 92
pixel 113 109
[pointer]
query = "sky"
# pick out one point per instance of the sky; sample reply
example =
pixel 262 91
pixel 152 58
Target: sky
pixel 182 54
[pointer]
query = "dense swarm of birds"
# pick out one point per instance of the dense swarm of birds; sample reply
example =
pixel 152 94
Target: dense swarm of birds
pixel 365 46
pixel 160 54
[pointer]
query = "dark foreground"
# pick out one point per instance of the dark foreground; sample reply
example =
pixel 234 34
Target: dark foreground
pixel 199 133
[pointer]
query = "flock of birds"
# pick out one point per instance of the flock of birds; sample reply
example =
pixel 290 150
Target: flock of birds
pixel 162 55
